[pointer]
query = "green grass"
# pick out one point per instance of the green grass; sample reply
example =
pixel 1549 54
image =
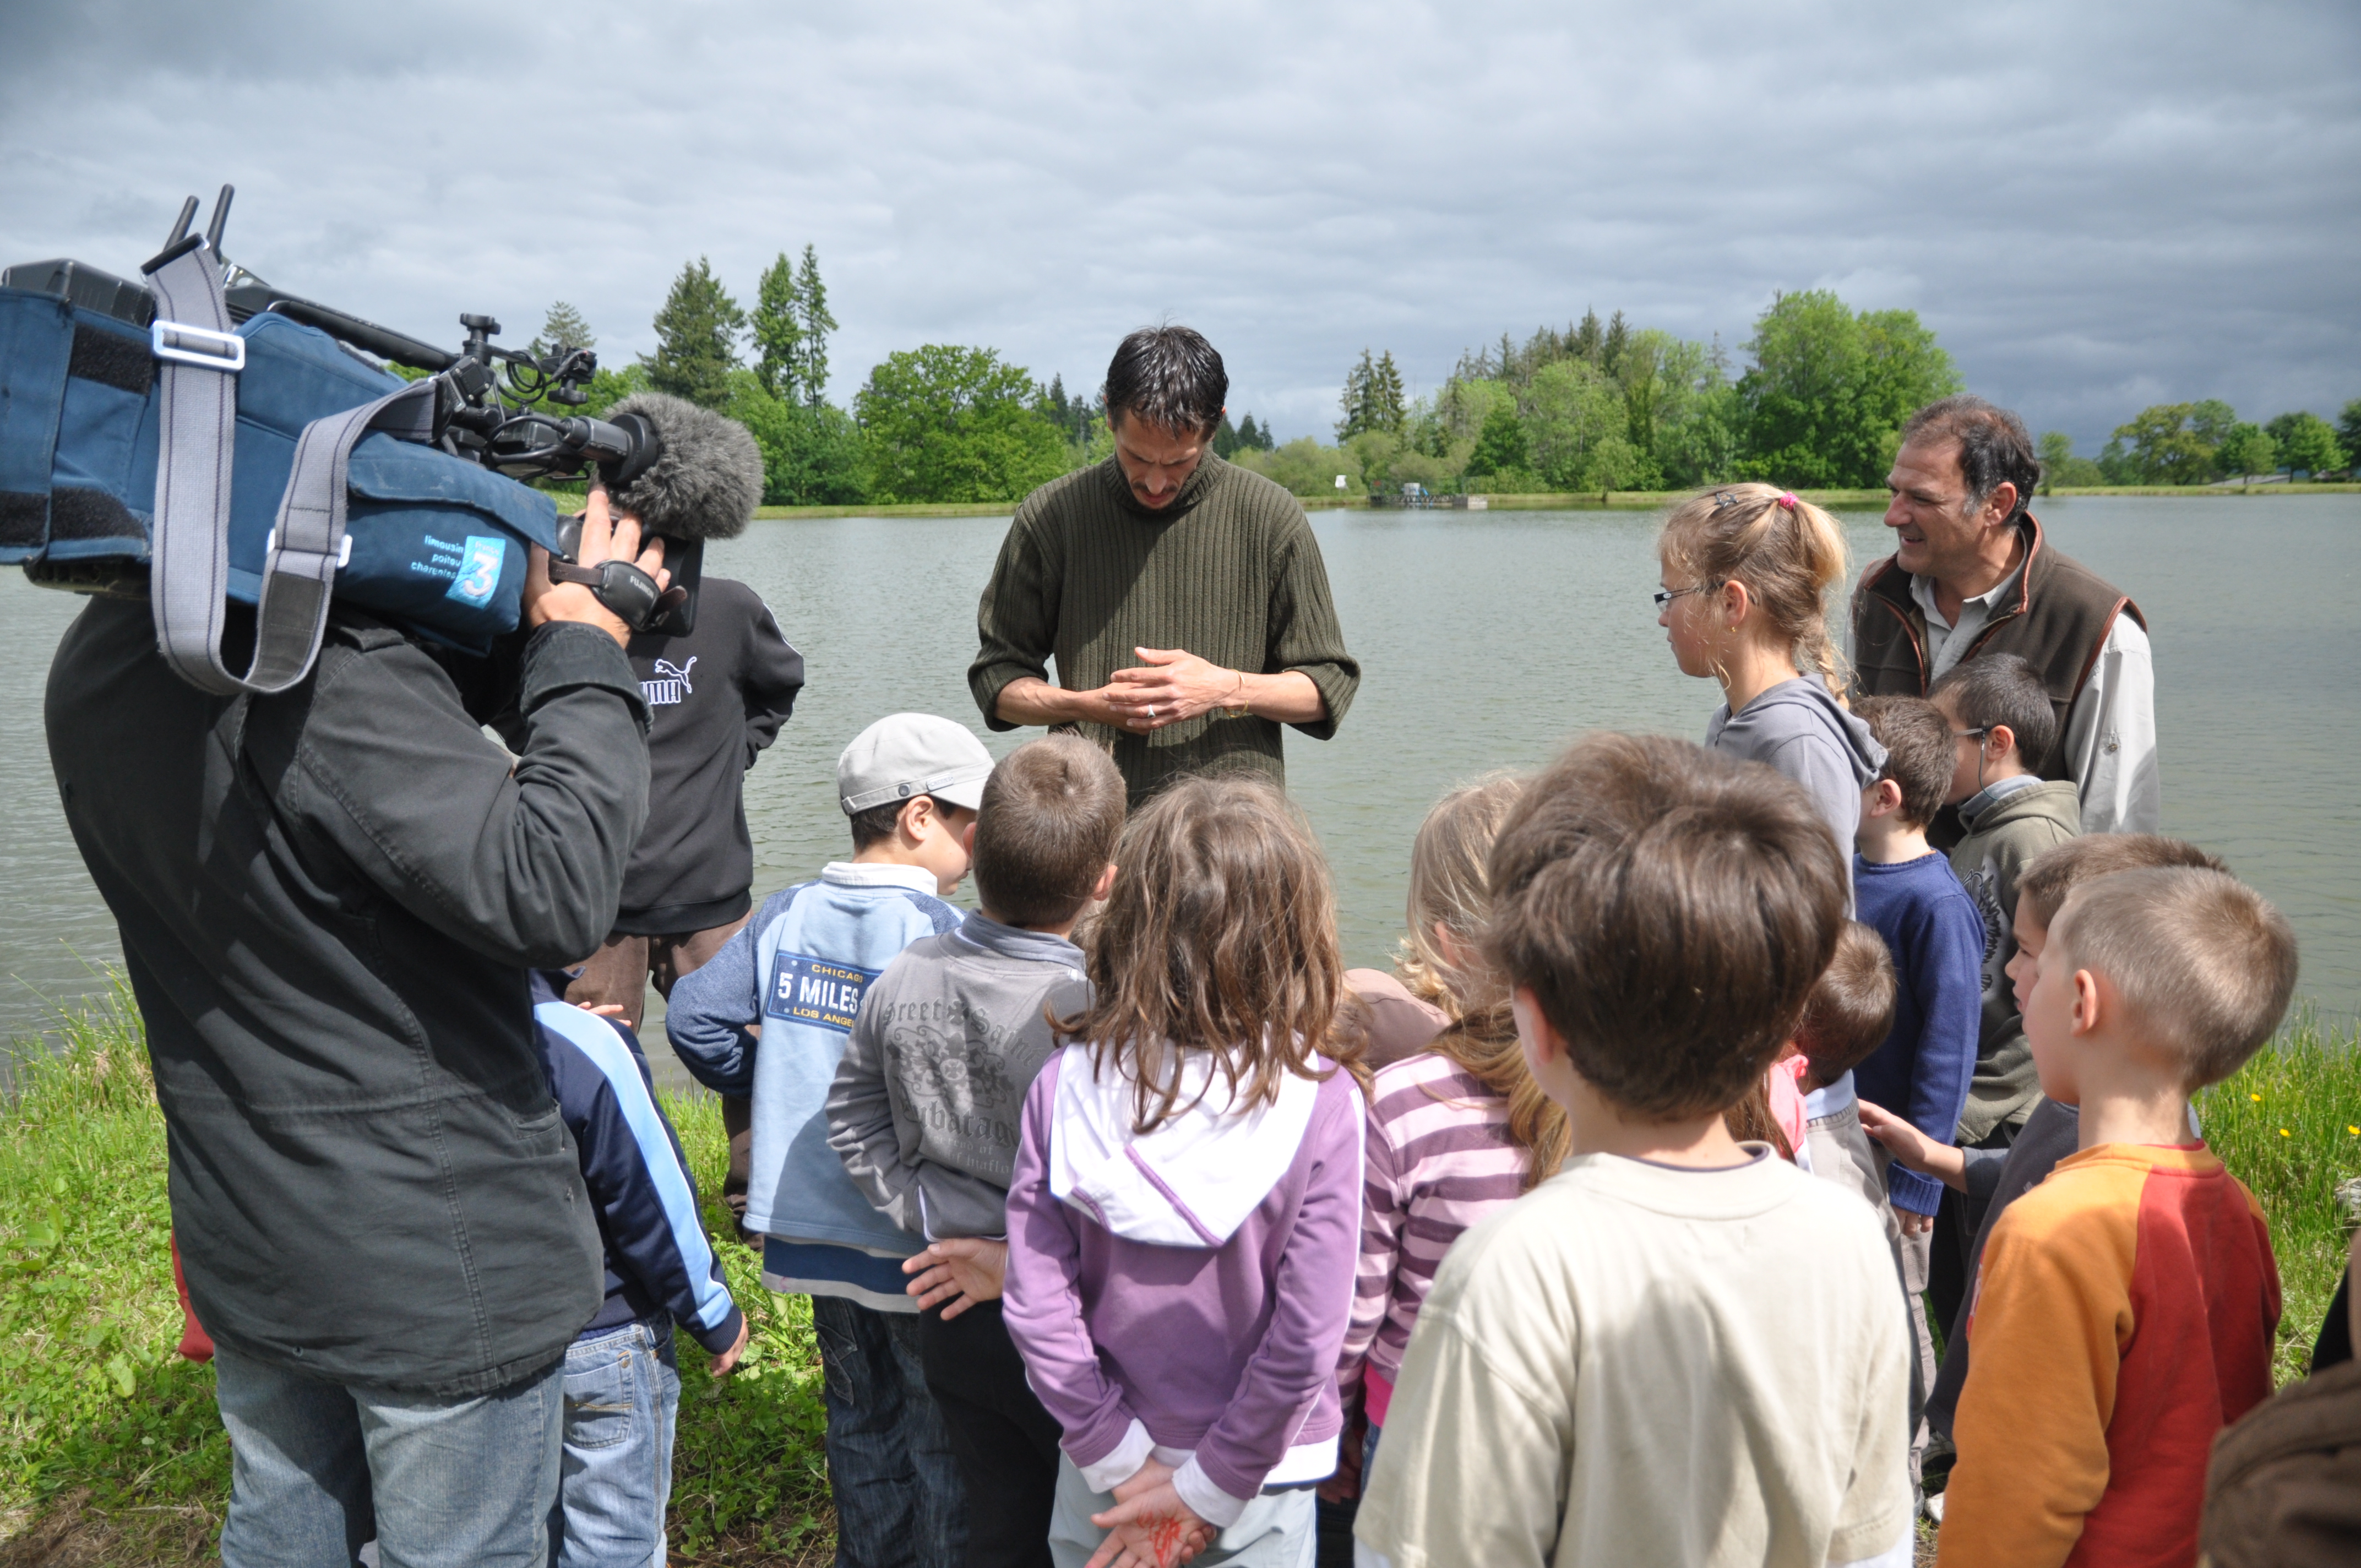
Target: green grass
pixel 2289 1125
pixel 107 1435
pixel 108 1438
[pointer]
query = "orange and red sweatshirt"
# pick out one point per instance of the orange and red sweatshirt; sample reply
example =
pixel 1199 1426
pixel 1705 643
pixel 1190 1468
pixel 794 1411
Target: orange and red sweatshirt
pixel 2123 1316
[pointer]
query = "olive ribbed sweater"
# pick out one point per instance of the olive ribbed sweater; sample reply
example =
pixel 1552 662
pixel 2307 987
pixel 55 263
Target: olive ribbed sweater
pixel 1229 572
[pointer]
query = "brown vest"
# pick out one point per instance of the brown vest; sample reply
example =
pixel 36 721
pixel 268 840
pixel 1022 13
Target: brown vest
pixel 2058 622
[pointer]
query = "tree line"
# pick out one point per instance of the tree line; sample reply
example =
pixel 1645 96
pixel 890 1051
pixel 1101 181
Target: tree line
pixel 1817 401
pixel 939 422
pixel 2206 443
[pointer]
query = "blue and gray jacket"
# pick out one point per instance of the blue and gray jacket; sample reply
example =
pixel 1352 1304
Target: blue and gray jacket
pixel 659 1264
pixel 799 969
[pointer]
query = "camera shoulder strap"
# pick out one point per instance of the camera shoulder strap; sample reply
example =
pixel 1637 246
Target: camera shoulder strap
pixel 188 575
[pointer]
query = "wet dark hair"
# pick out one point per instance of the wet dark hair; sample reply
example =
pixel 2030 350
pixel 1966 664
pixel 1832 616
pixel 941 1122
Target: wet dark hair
pixel 2002 688
pixel 878 822
pixel 1670 909
pixel 1919 752
pixel 1995 449
pixel 1169 377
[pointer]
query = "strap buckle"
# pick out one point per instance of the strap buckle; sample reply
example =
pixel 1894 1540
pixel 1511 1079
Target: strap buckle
pixel 201 346
pixel 344 549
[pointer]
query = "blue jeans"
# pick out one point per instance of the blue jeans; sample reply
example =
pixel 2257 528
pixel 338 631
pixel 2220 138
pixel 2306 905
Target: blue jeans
pixel 623 1394
pixel 316 1468
pixel 891 1466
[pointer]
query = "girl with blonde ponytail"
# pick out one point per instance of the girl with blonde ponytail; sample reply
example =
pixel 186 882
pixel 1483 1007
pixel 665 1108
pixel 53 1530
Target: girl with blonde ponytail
pixel 1747 570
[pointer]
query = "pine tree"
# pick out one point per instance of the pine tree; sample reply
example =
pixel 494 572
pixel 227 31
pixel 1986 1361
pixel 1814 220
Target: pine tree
pixel 1388 408
pixel 563 328
pixel 1250 435
pixel 1354 400
pixel 1587 338
pixel 779 330
pixel 697 338
pixel 1226 440
pixel 816 324
pixel 1611 350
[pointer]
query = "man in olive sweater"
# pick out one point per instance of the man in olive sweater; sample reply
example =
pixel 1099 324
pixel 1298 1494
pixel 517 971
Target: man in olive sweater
pixel 1183 599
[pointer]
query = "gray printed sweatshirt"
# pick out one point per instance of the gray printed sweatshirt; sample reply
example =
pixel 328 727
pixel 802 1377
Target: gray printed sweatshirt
pixel 925 1107
pixel 1797 728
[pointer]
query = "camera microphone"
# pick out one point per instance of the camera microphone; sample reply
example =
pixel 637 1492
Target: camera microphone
pixel 706 477
pixel 689 475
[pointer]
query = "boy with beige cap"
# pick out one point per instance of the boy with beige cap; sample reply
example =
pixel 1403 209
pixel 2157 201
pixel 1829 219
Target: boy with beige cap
pixel 769 1015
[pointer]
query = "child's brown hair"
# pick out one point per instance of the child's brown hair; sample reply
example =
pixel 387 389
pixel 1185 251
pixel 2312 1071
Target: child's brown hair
pixel 1851 1008
pixel 2042 886
pixel 2202 962
pixel 1046 830
pixel 1450 887
pixel 1918 752
pixel 1787 551
pixel 1670 909
pixel 1220 936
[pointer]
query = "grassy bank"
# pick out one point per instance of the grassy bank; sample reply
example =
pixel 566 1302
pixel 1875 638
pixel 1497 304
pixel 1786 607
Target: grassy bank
pixel 110 1450
pixel 109 1447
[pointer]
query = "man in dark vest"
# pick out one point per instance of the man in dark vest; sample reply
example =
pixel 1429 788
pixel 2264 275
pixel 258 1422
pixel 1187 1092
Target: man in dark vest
pixel 1972 574
pixel 1183 599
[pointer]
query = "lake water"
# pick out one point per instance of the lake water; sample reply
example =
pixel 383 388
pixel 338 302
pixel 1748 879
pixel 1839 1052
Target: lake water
pixel 1486 641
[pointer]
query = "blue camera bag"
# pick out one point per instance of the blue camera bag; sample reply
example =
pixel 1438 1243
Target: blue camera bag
pixel 428 541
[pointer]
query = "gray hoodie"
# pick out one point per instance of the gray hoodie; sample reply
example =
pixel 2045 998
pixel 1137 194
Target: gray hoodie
pixel 925 1107
pixel 2008 824
pixel 1799 730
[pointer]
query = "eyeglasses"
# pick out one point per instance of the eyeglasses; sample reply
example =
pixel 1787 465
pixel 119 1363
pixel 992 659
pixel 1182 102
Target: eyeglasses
pixel 1975 735
pixel 1666 595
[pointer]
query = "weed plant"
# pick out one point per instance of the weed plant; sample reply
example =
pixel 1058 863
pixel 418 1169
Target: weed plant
pixel 98 1415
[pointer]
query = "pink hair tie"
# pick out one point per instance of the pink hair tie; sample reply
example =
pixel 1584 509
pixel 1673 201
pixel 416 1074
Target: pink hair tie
pixel 1788 501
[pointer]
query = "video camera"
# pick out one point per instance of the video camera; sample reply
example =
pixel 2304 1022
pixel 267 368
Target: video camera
pixel 686 473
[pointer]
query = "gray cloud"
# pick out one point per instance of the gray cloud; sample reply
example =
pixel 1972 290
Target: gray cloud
pixel 2096 208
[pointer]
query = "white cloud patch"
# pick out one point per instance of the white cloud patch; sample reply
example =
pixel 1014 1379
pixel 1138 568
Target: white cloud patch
pixel 2094 207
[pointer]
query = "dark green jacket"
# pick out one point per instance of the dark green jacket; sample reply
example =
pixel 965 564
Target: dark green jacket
pixel 1229 572
pixel 329 900
pixel 2004 836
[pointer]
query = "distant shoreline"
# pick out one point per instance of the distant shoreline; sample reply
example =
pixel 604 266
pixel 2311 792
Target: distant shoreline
pixel 1611 500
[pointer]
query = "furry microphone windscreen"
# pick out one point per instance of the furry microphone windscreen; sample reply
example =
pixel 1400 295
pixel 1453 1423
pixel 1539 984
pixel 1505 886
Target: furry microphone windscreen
pixel 709 480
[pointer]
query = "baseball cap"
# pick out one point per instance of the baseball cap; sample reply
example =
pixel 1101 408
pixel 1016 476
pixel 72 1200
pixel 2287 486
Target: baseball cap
pixel 904 754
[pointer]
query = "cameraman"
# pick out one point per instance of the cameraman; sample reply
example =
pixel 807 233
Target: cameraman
pixel 329 899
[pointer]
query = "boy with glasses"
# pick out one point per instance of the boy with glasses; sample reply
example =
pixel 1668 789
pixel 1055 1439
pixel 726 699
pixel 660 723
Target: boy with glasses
pixel 2002 725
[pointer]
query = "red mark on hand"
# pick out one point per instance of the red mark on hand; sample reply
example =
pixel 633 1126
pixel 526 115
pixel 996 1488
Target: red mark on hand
pixel 1165 1533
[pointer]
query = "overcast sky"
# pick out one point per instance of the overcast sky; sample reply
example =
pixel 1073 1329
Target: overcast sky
pixel 2095 207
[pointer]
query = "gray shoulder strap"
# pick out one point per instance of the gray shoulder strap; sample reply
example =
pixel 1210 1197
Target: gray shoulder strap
pixel 189 552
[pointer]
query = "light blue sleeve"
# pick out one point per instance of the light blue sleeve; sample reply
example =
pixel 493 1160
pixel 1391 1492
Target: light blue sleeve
pixel 709 1014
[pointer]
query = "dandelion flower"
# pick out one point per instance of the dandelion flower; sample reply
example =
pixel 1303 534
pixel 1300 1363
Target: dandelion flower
pixel 2355 1131
pixel 2285 1133
pixel 2255 1098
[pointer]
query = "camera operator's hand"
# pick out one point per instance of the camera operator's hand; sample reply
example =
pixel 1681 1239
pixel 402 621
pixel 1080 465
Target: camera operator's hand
pixel 602 538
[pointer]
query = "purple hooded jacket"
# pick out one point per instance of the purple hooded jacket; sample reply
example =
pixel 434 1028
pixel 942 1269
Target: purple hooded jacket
pixel 1212 1347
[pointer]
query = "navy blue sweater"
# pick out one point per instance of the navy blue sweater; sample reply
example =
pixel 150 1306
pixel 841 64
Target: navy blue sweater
pixel 659 1264
pixel 1921 1071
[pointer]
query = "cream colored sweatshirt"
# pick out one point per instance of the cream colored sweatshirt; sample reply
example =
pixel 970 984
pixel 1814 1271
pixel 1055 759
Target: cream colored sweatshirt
pixel 1638 1365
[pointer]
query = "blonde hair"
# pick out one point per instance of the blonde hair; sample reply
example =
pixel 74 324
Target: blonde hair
pixel 1787 551
pixel 1450 886
pixel 1220 938
pixel 2202 962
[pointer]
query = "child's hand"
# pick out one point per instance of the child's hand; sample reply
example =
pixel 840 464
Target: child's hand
pixel 962 1271
pixel 1916 1151
pixel 725 1364
pixel 1150 1526
pixel 603 1009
